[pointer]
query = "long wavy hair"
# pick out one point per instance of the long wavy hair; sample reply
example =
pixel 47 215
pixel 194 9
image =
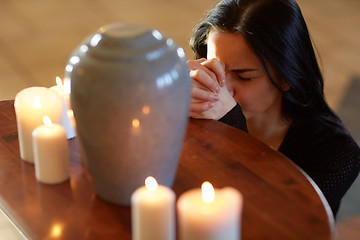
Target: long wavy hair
pixel 277 33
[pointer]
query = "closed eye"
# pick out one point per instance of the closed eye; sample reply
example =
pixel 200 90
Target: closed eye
pixel 238 72
pixel 244 79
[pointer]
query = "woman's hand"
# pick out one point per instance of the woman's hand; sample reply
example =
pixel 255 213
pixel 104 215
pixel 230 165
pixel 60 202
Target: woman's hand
pixel 210 99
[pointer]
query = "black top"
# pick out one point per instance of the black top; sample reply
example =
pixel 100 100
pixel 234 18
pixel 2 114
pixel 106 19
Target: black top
pixel 329 156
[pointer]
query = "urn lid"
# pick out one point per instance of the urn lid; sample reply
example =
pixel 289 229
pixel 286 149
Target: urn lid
pixel 127 42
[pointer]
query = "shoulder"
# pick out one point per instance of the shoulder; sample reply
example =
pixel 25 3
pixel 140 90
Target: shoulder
pixel 327 153
pixel 311 142
pixel 315 132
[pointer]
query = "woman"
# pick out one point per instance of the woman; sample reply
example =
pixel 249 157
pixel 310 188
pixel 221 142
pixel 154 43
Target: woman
pixel 256 70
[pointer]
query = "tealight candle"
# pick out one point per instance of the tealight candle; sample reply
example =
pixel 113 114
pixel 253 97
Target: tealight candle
pixel 210 214
pixel 64 91
pixel 153 212
pixel 31 105
pixel 51 153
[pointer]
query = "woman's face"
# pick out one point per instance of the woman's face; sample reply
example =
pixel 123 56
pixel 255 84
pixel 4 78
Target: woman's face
pixel 246 78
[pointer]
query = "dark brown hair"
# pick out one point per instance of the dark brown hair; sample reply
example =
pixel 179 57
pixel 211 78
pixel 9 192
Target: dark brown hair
pixel 277 33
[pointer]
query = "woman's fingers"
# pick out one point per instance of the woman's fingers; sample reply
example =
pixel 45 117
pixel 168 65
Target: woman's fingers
pixel 208 76
pixel 199 107
pixel 212 109
pixel 211 67
pixel 202 95
pixel 217 69
pixel 204 79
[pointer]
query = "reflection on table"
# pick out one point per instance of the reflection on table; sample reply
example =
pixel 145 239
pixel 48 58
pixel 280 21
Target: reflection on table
pixel 279 201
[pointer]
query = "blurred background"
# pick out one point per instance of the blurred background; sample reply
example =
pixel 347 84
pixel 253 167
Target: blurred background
pixel 38 36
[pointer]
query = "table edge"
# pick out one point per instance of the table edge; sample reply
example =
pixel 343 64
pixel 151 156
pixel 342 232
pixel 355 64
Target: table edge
pixel 11 219
pixel 327 207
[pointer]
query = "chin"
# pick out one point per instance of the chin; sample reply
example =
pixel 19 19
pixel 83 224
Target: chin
pixel 246 114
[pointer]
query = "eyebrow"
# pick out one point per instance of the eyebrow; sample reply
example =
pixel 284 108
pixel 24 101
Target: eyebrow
pixel 243 70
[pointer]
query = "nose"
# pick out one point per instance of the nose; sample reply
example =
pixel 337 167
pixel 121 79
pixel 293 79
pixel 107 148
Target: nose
pixel 231 90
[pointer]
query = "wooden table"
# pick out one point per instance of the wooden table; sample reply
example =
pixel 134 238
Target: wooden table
pixel 279 201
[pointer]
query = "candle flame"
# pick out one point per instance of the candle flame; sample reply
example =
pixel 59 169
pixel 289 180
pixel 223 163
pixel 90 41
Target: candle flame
pixel 59 82
pixel 207 192
pixel 151 184
pixel 37 102
pixel 47 121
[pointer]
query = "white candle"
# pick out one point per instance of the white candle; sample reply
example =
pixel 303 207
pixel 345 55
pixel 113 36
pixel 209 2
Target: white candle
pixel 153 212
pixel 51 153
pixel 206 213
pixel 64 91
pixel 31 105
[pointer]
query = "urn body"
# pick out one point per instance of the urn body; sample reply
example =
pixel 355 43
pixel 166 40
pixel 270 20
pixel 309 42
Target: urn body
pixel 130 93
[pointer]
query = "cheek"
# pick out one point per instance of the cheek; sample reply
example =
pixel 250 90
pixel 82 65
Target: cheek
pixel 243 93
pixel 255 98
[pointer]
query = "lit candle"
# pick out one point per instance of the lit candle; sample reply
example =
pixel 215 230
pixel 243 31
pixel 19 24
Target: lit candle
pixel 31 104
pixel 153 212
pixel 51 153
pixel 64 91
pixel 210 214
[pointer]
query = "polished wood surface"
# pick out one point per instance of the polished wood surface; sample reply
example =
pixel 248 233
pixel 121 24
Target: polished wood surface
pixel 279 201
